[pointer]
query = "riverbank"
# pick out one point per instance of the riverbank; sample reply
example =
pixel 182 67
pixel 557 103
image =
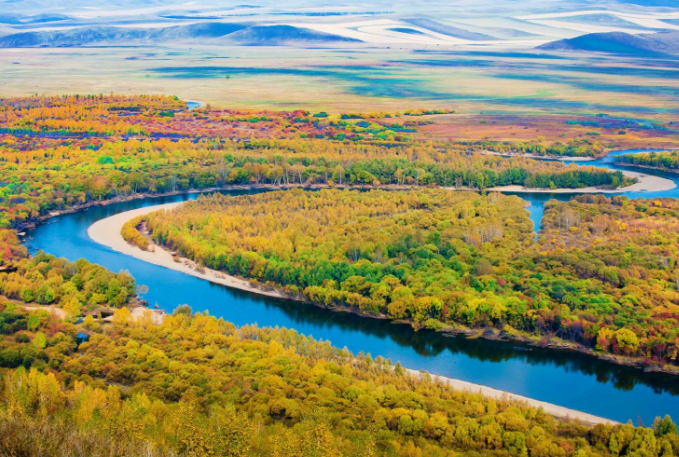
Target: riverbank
pixel 137 313
pixel 59 313
pixel 31 223
pixel 559 412
pixel 647 167
pixel 108 232
pixel 537 157
pixel 157 317
pixel 646 183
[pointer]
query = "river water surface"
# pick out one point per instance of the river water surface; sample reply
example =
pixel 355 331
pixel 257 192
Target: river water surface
pixel 567 379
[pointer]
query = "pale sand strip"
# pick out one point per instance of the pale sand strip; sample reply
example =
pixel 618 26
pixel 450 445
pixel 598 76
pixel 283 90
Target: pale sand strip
pixel 647 183
pixel 157 316
pixel 538 157
pixel 107 232
pixel 52 309
pixel 488 392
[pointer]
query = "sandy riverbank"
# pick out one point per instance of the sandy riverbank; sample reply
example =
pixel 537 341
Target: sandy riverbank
pixel 559 412
pixel 52 309
pixel 139 313
pixel 647 183
pixel 157 316
pixel 534 156
pixel 107 232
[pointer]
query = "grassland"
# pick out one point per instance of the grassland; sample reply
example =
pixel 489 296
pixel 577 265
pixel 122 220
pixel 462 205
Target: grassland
pixel 355 79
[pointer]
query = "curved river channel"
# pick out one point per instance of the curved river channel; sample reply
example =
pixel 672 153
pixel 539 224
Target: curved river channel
pixel 567 379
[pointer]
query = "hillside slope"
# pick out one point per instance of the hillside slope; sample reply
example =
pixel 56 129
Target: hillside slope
pixel 235 33
pixel 272 35
pixel 446 29
pixel 620 43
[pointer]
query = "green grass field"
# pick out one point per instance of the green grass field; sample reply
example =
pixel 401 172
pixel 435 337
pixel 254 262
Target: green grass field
pixel 359 79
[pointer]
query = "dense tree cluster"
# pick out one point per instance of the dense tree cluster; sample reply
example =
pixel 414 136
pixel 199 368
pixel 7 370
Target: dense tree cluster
pixel 197 386
pixel 574 148
pixel 11 249
pixel 38 181
pixel 74 286
pixel 666 160
pixel 408 255
pixel 60 152
pixel 614 263
pixel 602 275
pixel 77 117
pixel 90 114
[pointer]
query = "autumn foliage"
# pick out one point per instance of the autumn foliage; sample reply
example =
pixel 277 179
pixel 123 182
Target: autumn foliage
pixel 603 274
pixel 197 386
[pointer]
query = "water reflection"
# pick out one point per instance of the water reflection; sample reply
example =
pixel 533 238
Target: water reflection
pixel 430 344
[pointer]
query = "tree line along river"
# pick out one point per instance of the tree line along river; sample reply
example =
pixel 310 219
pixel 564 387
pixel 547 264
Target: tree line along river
pixel 563 378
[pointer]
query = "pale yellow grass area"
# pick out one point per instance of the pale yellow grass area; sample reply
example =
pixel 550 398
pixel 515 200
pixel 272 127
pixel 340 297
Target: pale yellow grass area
pixel 335 80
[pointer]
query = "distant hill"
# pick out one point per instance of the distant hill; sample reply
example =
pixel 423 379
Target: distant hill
pixel 236 33
pixel 10 19
pixel 16 19
pixel 272 35
pixel 620 43
pixel 406 30
pixel 511 33
pixel 73 37
pixel 195 31
pixel 45 18
pixel 602 19
pixel 443 29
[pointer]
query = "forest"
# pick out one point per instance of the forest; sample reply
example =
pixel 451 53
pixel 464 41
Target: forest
pixel 40 181
pixel 602 275
pixel 197 386
pixel 57 153
pixel 574 148
pixel 76 287
pixel 62 153
pixel 665 160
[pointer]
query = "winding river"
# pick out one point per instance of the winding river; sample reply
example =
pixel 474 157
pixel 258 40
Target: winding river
pixel 567 379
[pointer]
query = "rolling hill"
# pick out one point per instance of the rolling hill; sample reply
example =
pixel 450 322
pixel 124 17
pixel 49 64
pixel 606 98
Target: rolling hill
pixel 273 35
pixel 602 19
pixel 120 36
pixel 443 29
pixel 662 43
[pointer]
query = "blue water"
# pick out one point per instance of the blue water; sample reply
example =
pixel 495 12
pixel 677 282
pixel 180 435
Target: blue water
pixel 536 201
pixel 569 379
